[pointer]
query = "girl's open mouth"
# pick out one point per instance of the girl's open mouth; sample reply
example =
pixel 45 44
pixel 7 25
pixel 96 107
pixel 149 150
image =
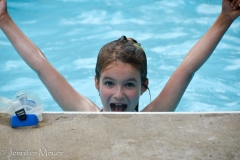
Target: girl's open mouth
pixel 118 107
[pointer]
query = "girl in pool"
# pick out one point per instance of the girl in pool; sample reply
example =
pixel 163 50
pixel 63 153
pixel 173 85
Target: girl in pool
pixel 121 69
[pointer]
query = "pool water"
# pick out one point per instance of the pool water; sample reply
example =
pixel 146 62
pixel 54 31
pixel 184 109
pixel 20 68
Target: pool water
pixel 71 32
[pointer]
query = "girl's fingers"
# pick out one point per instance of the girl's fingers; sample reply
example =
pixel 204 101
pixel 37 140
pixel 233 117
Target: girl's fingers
pixel 235 4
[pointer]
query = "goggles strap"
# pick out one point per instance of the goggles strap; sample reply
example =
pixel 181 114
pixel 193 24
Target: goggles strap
pixel 5 101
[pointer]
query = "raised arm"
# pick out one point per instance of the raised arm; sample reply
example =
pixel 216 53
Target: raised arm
pixel 63 93
pixel 171 94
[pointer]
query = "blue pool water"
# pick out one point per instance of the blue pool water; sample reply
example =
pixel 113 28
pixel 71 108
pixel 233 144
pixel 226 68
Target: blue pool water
pixel 71 32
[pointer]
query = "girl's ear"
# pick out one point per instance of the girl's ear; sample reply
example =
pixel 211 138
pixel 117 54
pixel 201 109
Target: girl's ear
pixel 96 83
pixel 144 86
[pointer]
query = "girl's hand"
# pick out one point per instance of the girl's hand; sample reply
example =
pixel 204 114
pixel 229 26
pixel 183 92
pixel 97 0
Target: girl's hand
pixel 3 9
pixel 231 8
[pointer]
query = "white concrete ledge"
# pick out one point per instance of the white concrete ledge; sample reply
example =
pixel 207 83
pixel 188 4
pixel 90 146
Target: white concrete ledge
pixel 124 136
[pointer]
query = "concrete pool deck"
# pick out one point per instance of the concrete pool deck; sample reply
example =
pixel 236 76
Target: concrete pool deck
pixel 134 136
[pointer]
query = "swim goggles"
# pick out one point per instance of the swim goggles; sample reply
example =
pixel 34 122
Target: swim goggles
pixel 25 109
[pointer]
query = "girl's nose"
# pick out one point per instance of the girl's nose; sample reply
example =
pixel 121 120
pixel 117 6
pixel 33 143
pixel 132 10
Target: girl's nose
pixel 119 95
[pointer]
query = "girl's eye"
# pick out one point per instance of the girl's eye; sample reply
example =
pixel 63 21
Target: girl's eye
pixel 109 83
pixel 129 85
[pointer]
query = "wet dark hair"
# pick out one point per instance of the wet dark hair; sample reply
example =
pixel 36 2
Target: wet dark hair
pixel 125 50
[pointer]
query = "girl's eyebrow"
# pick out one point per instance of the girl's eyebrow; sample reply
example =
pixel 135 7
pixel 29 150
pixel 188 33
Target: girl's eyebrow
pixel 108 78
pixel 130 79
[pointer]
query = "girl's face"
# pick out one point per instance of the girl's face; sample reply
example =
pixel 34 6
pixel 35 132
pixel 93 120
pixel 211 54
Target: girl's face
pixel 119 87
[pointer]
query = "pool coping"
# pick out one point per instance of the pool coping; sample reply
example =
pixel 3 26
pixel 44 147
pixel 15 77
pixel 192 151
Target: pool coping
pixel 89 135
